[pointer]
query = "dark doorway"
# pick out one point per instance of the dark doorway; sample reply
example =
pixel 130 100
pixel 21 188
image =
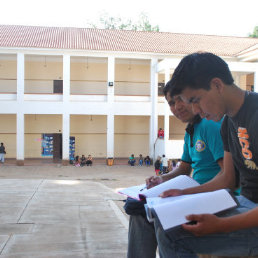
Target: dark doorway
pixel 58 86
pixel 161 86
pixel 57 147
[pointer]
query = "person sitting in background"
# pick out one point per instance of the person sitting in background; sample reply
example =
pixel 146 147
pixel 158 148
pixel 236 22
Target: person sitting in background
pixel 89 161
pixel 140 160
pixel 147 161
pixel 77 162
pixel 157 165
pixel 164 162
pixel 83 161
pixel 131 160
pixel 161 133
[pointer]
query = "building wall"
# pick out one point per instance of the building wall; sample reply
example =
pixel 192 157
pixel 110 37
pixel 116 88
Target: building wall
pixel 90 134
pixel 176 127
pixel 8 134
pixel 39 76
pixel 8 76
pixel 90 78
pixel 132 79
pixel 131 135
pixel 34 127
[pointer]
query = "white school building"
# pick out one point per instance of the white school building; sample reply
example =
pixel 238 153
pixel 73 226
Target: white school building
pixel 99 92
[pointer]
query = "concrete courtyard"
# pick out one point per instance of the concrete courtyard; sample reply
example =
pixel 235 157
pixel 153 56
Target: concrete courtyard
pixel 64 211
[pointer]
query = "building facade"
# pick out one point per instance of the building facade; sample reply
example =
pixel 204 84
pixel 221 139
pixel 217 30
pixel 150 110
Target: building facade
pixel 98 92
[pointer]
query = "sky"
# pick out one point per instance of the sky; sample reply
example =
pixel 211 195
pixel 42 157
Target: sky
pixel 211 17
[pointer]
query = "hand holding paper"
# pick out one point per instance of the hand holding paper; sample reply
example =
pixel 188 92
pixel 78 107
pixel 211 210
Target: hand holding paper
pixel 171 192
pixel 206 224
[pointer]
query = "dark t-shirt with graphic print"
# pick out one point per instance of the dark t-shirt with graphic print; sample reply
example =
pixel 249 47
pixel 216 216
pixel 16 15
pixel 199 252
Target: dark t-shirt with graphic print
pixel 240 137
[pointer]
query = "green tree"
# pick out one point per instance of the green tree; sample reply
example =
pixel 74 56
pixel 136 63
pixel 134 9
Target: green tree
pixel 255 33
pixel 116 23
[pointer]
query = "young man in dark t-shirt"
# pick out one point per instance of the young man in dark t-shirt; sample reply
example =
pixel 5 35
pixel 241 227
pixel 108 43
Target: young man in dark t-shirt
pixel 204 81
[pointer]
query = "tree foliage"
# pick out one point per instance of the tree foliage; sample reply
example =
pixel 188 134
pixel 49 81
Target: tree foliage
pixel 255 33
pixel 117 23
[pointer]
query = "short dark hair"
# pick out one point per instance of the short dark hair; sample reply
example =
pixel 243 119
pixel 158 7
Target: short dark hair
pixel 195 71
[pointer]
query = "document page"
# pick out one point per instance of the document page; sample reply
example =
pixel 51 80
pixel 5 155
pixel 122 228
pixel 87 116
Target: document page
pixel 173 213
pixel 179 182
pixel 133 191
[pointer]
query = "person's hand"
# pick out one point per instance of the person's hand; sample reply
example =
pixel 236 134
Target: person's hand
pixel 153 181
pixel 171 192
pixel 205 224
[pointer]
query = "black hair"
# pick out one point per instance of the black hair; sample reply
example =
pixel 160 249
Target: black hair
pixel 195 71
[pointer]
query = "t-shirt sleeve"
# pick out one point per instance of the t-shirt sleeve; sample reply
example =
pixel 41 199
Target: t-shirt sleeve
pixel 186 156
pixel 214 139
pixel 224 133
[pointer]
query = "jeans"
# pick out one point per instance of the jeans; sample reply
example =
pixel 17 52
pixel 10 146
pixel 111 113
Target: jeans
pixel 2 157
pixel 141 238
pixel 147 163
pixel 182 244
pixel 131 162
pixel 140 162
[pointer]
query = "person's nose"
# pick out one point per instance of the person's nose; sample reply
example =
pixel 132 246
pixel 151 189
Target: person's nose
pixel 196 109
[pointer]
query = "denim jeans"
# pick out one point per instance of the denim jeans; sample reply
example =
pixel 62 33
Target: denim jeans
pixel 141 238
pixel 182 244
pixel 2 157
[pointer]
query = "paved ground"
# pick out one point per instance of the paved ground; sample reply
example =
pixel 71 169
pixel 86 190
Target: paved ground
pixel 55 211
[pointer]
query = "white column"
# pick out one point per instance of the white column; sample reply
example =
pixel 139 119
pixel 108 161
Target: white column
pixel 20 114
pixel 66 138
pixel 20 77
pixel 110 136
pixel 66 78
pixel 111 79
pixel 154 107
pixel 256 80
pixel 66 115
pixel 237 80
pixel 110 100
pixel 166 118
pixel 20 138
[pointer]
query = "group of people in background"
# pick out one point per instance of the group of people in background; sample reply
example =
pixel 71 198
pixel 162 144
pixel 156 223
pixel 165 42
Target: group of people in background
pixel 163 165
pixel 78 161
pixel 141 160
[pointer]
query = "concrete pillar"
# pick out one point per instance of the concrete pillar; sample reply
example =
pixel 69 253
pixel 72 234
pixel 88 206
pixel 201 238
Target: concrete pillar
pixel 20 138
pixel 20 77
pixel 166 117
pixel 66 115
pixel 66 139
pixel 110 136
pixel 154 107
pixel 66 78
pixel 111 79
pixel 110 100
pixel 20 114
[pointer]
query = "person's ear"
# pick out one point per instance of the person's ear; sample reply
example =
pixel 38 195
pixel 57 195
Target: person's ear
pixel 217 84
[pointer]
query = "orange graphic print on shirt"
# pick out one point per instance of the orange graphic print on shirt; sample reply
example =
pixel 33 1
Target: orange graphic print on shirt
pixel 247 153
pixel 243 139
